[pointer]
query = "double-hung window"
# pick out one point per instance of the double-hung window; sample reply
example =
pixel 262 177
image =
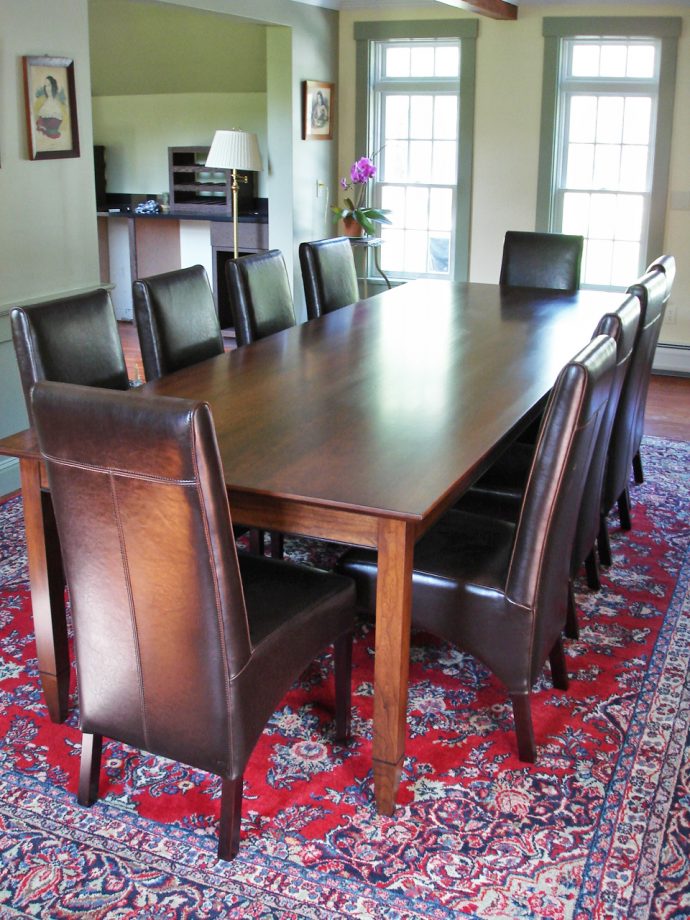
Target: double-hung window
pixel 415 99
pixel 608 97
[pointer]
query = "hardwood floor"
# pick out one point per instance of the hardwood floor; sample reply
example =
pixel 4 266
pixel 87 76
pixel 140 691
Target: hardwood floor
pixel 668 403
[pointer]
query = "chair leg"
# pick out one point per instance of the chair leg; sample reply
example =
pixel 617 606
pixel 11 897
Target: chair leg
pixel 522 714
pixel 559 672
pixel 624 509
pixel 230 819
pixel 256 542
pixel 277 545
pixel 592 568
pixel 342 655
pixel 638 472
pixel 89 768
pixel 603 542
pixel 572 629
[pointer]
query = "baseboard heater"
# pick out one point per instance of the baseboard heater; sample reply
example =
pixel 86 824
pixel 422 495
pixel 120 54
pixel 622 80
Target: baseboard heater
pixel 672 359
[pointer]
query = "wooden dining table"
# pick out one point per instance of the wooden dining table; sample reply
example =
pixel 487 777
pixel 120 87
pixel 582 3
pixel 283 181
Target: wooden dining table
pixel 362 427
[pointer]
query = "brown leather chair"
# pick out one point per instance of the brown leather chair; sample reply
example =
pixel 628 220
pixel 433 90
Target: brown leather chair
pixel 182 649
pixel 259 293
pixel 329 275
pixel 72 340
pixel 541 260
pixel 176 320
pixel 498 589
pixel 652 291
pixel 500 491
pixel 666 264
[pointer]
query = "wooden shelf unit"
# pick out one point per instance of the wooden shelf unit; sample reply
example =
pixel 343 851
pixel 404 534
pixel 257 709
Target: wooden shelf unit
pixel 194 188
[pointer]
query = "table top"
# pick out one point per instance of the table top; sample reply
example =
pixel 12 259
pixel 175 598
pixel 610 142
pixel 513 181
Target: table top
pixel 394 404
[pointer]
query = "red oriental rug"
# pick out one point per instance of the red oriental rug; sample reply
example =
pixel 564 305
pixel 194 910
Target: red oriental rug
pixel 598 828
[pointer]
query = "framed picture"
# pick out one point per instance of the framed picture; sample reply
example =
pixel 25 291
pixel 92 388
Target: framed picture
pixel 51 107
pixel 317 110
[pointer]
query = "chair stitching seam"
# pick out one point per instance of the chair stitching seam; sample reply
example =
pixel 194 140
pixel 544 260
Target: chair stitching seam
pixel 132 610
pixel 216 589
pixel 116 471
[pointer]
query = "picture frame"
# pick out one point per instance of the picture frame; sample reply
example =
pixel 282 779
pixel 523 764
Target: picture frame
pixel 51 107
pixel 318 100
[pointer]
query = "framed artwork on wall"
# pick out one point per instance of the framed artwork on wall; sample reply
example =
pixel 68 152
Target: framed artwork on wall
pixel 51 107
pixel 317 110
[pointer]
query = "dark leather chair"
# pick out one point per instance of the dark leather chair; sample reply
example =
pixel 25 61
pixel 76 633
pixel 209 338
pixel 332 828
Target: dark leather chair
pixel 329 275
pixel 176 320
pixel 500 491
pixel 182 649
pixel 499 589
pixel 541 260
pixel 666 264
pixel 71 340
pixel 628 427
pixel 260 297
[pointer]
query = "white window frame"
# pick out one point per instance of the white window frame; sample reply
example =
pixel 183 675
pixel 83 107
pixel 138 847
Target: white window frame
pixel 367 35
pixel 558 32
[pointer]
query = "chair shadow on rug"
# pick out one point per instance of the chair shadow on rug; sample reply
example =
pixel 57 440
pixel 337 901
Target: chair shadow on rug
pixel 183 647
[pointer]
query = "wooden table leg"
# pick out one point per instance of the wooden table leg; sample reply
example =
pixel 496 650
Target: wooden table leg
pixel 47 590
pixel 392 661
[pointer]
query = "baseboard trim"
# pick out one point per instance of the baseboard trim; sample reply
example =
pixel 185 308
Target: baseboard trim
pixel 9 475
pixel 672 359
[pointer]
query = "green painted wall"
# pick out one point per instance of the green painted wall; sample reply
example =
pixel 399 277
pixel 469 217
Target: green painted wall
pixel 149 48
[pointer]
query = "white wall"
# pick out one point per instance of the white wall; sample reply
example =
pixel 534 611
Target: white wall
pixel 506 148
pixel 48 239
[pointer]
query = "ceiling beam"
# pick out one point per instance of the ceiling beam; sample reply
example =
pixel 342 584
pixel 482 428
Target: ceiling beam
pixel 495 9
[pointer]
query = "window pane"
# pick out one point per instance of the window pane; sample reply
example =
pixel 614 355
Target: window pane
pixel 439 253
pixel 613 60
pixel 575 213
pixel 441 208
pixel 397 62
pixel 393 250
pixel 585 61
pixel 447 61
pixel 610 119
pixel 420 161
pixel 634 168
pixel 446 117
pixel 444 165
pixel 607 160
pixel 624 263
pixel 637 120
pixel 629 213
pixel 394 159
pixel 580 165
pixel 415 251
pixel 641 61
pixel 416 216
pixel 422 62
pixel 598 263
pixel 583 118
pixel 393 200
pixel 602 219
pixel 421 116
pixel 396 116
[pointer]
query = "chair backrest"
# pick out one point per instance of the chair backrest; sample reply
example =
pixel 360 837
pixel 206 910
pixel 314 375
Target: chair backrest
pixel 70 340
pixel 628 427
pixel 260 297
pixel 622 327
pixel 177 320
pixel 667 264
pixel 329 275
pixel 540 564
pixel 542 260
pixel 159 619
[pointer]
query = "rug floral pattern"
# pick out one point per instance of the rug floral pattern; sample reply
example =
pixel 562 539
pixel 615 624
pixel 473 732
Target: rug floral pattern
pixel 599 827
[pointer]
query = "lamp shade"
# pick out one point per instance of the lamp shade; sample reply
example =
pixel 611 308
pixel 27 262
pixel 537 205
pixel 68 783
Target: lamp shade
pixel 234 150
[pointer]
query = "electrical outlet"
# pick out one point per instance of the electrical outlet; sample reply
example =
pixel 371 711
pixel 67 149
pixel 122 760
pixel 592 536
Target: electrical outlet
pixel 670 315
pixel 320 188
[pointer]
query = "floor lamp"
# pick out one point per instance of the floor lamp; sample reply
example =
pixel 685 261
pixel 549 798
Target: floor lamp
pixel 234 150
